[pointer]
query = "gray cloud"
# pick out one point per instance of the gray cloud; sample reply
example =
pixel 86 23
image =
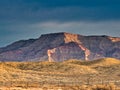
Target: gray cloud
pixel 23 19
pixel 34 30
pixel 59 10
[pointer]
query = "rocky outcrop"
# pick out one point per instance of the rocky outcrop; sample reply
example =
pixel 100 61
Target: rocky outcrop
pixel 62 46
pixel 70 50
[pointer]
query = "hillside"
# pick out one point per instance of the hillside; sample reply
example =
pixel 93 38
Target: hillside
pixel 67 72
pixel 62 46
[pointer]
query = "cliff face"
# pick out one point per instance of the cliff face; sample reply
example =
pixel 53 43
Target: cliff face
pixel 62 46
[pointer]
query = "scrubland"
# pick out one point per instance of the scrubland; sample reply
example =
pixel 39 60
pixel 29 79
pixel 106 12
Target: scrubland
pixel 102 74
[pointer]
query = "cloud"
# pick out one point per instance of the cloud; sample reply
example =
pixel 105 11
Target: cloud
pixel 110 28
pixel 17 32
pixel 30 11
pixel 85 28
pixel 23 19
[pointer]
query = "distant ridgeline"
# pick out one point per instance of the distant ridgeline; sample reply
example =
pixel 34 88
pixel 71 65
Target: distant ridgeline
pixel 62 46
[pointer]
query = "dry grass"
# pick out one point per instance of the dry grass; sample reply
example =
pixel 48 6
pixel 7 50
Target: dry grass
pixel 99 62
pixel 70 72
pixel 65 87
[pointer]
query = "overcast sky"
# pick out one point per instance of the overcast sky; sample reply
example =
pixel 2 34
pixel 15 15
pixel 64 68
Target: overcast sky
pixel 24 19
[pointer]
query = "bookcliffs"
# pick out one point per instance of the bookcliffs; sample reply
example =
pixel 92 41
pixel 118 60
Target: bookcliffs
pixel 62 46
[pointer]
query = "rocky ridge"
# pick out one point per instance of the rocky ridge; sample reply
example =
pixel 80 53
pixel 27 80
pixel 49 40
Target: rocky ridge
pixel 62 46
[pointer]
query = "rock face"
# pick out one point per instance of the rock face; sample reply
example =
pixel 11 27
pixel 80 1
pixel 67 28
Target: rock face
pixel 62 46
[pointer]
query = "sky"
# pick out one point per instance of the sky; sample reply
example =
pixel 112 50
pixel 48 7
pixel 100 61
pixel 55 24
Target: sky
pixel 25 19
